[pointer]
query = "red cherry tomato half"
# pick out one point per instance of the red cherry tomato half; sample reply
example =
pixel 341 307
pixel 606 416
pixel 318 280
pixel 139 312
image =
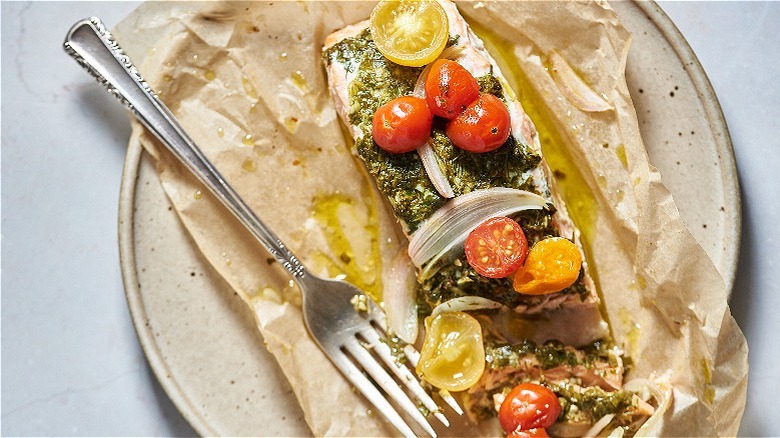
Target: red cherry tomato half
pixel 449 88
pixel 530 433
pixel 528 406
pixel 496 248
pixel 402 125
pixel 483 126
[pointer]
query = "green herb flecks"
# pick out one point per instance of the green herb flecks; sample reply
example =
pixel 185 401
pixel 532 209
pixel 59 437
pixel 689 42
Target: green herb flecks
pixel 591 404
pixel 396 346
pixel 506 166
pixel 490 84
pixel 551 354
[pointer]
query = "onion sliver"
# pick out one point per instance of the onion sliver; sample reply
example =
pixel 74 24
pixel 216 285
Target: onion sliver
pixel 419 86
pixel 435 174
pixel 453 222
pixel 399 299
pixel 452 52
pixel 465 304
pixel 574 88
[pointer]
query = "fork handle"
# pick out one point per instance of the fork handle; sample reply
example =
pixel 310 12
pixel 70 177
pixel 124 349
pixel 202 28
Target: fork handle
pixel 93 47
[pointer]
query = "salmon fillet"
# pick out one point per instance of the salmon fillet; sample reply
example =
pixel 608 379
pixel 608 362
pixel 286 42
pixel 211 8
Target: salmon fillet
pixel 580 301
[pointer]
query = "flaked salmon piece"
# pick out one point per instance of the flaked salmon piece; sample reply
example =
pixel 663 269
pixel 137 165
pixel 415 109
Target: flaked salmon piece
pixel 594 365
pixel 587 381
pixel 342 71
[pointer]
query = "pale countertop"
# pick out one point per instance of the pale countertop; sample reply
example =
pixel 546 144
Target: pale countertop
pixel 71 361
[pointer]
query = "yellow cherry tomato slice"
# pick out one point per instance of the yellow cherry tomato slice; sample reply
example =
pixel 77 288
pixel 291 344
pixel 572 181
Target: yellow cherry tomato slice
pixel 410 32
pixel 552 265
pixel 453 353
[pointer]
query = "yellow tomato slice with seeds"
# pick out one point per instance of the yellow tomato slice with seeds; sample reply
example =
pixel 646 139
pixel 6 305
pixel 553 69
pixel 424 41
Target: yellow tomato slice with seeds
pixel 552 265
pixel 410 32
pixel 453 353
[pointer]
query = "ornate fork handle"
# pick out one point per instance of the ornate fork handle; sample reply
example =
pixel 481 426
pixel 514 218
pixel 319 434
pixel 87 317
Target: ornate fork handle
pixel 93 47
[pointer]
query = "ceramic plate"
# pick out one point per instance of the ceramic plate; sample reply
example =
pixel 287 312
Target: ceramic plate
pixel 201 340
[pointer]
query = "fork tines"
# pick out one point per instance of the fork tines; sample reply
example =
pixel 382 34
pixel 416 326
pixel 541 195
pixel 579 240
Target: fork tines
pixel 367 355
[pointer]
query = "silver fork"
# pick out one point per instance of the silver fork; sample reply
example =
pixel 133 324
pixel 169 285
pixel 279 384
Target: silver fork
pixel 352 340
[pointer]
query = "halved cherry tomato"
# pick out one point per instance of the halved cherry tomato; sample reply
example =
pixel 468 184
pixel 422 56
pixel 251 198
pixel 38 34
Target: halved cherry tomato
pixel 453 353
pixel 411 33
pixel 402 125
pixel 483 126
pixel 528 406
pixel 538 432
pixel 497 247
pixel 553 264
pixel 449 88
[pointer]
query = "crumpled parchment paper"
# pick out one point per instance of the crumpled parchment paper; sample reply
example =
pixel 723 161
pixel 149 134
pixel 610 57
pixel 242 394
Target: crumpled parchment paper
pixel 247 83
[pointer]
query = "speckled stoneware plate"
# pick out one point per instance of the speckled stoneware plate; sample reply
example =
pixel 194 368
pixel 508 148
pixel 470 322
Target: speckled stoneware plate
pixel 201 340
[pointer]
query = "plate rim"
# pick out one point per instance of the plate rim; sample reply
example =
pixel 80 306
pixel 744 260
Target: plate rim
pixel 718 124
pixel 135 154
pixel 127 260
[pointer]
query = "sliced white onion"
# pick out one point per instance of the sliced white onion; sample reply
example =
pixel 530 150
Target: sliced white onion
pixel 574 88
pixel 599 425
pixel 452 52
pixel 465 304
pixel 435 174
pixel 660 391
pixel 453 222
pixel 399 300
pixel 419 86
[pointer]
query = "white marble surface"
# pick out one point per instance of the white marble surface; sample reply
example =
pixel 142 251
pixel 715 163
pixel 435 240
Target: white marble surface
pixel 71 363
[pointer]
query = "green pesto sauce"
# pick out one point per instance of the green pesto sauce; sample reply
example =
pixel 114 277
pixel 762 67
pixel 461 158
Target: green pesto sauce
pixel 403 181
pixel 490 84
pixel 506 166
pixel 550 354
pixel 593 403
pixel 457 278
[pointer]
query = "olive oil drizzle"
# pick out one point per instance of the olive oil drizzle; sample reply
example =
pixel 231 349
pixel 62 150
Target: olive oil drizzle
pixel 362 270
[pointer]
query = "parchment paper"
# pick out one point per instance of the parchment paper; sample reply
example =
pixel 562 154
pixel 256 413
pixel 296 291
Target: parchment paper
pixel 247 83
